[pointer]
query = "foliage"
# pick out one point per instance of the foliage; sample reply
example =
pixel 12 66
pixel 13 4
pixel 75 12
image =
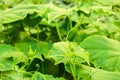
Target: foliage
pixel 59 40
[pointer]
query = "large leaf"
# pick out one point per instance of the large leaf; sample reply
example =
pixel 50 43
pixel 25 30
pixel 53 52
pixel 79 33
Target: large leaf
pixel 20 12
pixel 89 73
pixel 104 52
pixel 63 52
pixel 9 57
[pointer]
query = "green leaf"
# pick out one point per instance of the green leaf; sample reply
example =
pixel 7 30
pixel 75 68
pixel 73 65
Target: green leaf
pixel 15 75
pixel 20 12
pixel 82 34
pixel 9 57
pixel 34 49
pixel 104 52
pixel 57 12
pixel 105 27
pixel 39 76
pixel 101 9
pixel 10 3
pixel 89 73
pixel 115 36
pixel 109 2
pixel 63 52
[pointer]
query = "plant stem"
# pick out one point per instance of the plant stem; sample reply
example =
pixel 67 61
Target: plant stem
pixel 76 27
pixel 73 70
pixel 70 21
pixel 58 31
pixel 31 59
pixel 37 32
pixel 79 22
